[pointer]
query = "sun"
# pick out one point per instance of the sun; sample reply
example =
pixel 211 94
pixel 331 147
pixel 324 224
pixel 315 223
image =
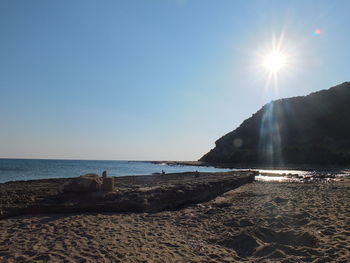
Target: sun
pixel 275 61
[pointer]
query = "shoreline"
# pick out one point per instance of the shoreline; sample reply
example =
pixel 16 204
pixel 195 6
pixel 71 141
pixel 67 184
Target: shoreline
pixel 304 167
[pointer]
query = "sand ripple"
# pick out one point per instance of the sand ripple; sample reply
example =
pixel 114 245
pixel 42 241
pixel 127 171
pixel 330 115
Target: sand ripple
pixel 258 222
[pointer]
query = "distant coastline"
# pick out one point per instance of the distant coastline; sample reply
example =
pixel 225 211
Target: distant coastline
pixel 307 167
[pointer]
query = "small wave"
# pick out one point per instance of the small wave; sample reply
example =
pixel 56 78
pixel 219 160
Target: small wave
pixel 11 169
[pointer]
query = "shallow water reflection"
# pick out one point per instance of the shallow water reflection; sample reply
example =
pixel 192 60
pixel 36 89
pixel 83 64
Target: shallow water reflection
pixel 301 176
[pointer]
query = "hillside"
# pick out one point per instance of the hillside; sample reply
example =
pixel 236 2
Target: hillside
pixel 313 129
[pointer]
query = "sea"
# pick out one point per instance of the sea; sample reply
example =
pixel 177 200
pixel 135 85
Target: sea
pixel 33 169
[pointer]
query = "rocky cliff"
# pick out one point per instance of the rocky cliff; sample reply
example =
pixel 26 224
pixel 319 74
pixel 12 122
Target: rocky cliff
pixel 313 129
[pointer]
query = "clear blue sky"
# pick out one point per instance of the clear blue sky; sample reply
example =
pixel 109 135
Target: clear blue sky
pixel 156 79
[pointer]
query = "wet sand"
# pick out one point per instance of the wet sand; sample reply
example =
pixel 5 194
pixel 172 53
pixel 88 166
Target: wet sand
pixel 257 222
pixel 144 193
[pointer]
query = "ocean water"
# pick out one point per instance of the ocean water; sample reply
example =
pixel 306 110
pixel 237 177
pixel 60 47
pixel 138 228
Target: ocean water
pixel 31 169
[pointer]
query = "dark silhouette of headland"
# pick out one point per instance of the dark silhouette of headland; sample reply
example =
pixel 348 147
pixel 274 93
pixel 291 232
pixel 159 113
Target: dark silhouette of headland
pixel 305 130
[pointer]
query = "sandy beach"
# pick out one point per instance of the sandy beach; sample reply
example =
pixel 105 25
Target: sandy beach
pixel 257 222
pixel 174 131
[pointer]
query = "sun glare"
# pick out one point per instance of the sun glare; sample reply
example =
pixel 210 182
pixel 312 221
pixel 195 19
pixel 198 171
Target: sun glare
pixel 275 61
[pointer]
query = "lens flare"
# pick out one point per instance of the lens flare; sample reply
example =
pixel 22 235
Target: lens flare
pixel 275 62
